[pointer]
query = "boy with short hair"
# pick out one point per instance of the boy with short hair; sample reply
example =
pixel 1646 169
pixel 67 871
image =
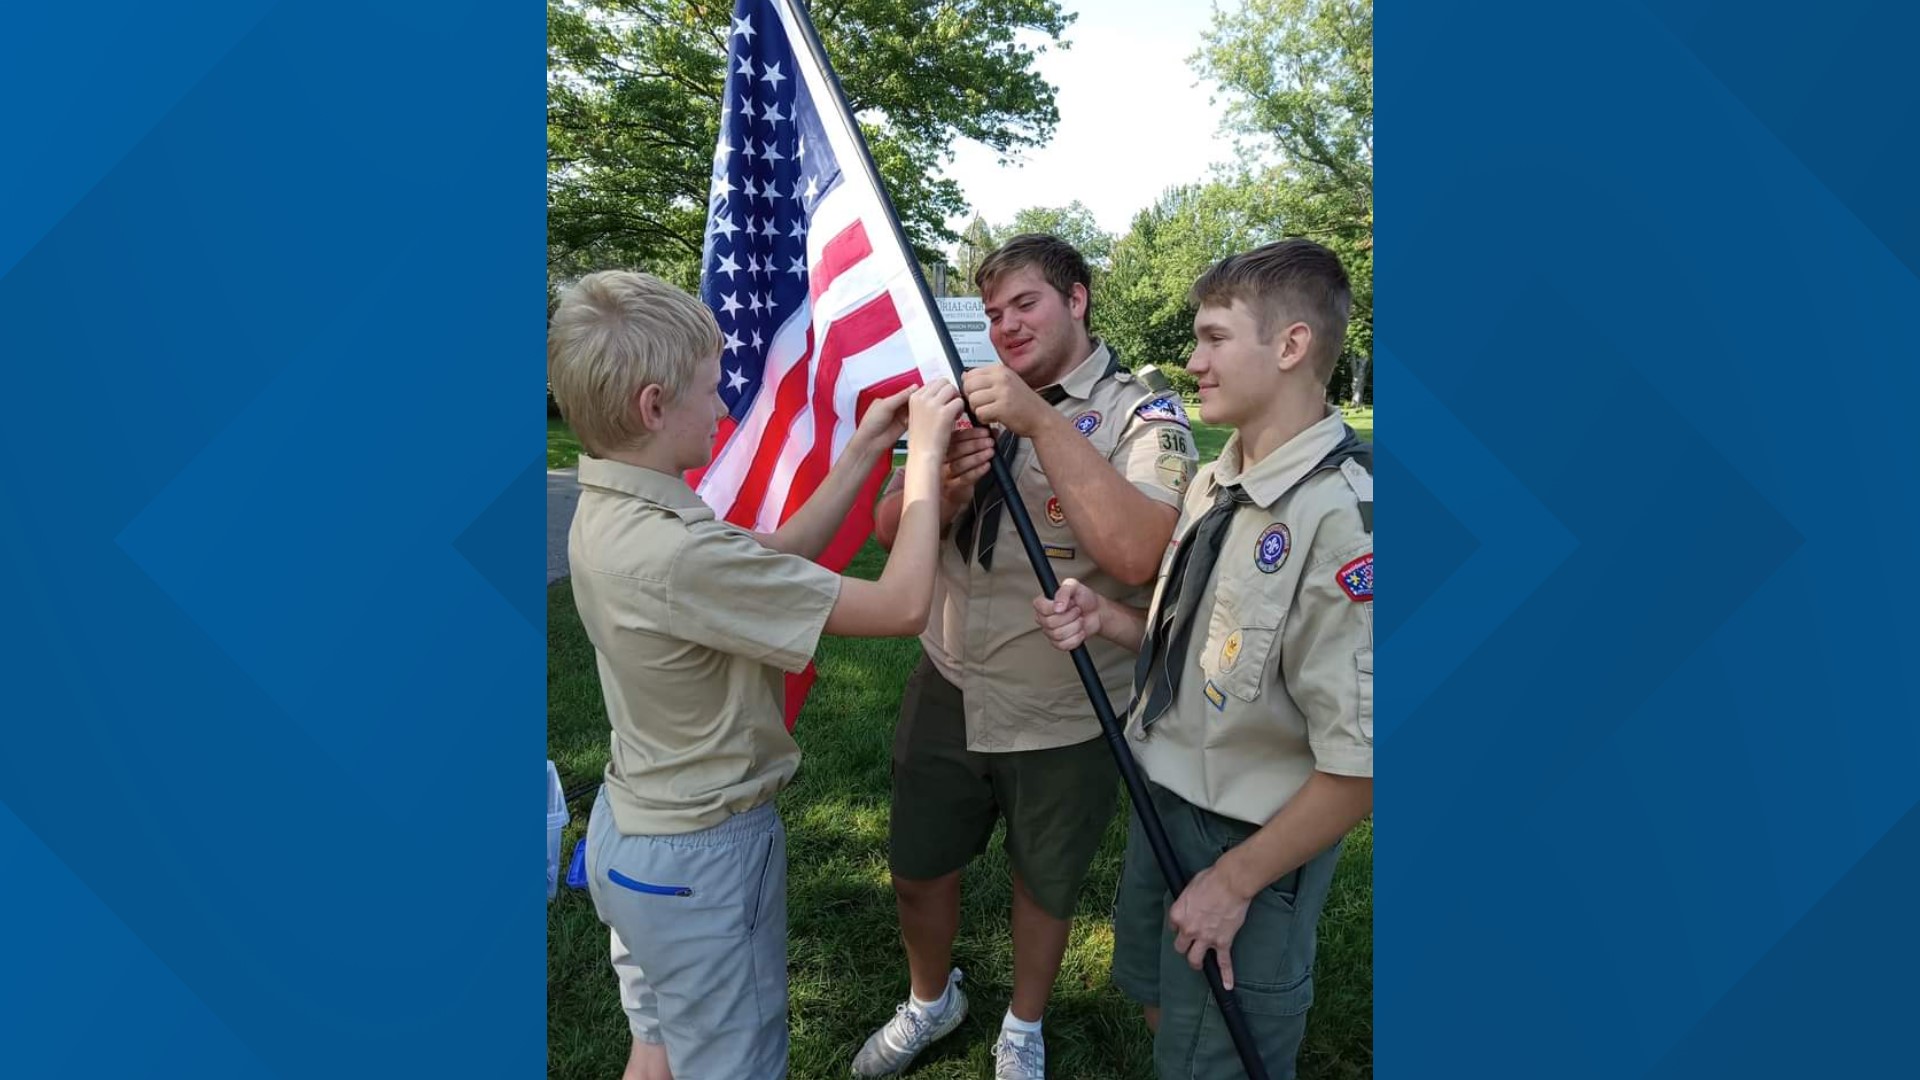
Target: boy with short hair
pixel 1252 716
pixel 694 622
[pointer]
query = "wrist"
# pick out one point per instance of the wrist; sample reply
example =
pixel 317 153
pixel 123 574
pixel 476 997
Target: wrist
pixel 1237 876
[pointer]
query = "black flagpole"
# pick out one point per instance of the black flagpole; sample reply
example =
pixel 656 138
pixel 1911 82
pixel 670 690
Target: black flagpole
pixel 1143 807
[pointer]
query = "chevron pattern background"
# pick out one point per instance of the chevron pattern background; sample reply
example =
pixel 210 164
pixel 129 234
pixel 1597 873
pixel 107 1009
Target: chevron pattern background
pixel 270 517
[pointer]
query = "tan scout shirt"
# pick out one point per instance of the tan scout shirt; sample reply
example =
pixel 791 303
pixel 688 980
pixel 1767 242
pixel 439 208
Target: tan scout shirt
pixel 693 622
pixel 1281 682
pixel 1020 693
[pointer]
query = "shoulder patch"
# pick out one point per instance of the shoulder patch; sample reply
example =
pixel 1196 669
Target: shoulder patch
pixel 1163 407
pixel 1173 440
pixel 1356 579
pixel 1087 422
pixel 1175 471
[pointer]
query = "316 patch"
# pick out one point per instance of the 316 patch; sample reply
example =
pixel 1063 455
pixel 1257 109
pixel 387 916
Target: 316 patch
pixel 1275 543
pixel 1087 422
pixel 1356 579
pixel 1055 515
pixel 1164 407
pixel 1175 441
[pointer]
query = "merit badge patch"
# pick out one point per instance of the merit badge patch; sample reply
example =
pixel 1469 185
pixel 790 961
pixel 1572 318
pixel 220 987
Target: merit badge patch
pixel 1274 545
pixel 1214 695
pixel 1175 441
pixel 1174 470
pixel 1059 552
pixel 1055 515
pixel 1230 652
pixel 1164 407
pixel 1356 579
pixel 1087 422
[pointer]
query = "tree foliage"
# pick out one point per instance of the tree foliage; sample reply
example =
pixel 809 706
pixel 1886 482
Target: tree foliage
pixel 634 89
pixel 1298 76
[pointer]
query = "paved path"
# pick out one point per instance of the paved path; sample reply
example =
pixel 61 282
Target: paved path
pixel 563 491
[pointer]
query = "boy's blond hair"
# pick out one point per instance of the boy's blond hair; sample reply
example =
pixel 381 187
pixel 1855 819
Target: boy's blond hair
pixel 1288 281
pixel 613 333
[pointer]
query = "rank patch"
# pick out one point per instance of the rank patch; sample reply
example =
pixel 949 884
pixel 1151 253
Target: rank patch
pixel 1055 515
pixel 1230 652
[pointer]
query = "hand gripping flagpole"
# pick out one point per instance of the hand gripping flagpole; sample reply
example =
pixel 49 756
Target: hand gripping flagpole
pixel 1170 868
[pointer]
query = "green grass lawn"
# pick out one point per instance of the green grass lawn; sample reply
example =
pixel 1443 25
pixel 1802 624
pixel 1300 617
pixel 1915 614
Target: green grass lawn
pixel 563 449
pixel 846 967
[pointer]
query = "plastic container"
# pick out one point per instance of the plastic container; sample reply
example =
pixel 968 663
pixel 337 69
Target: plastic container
pixel 556 822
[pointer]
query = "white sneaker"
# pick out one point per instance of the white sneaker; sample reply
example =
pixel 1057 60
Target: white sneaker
pixel 911 1030
pixel 1018 1056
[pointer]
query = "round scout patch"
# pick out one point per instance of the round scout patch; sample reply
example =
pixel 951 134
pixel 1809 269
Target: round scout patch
pixel 1172 469
pixel 1055 515
pixel 1087 422
pixel 1274 545
pixel 1230 652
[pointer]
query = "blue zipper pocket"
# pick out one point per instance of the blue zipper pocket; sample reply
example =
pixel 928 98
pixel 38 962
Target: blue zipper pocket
pixel 626 882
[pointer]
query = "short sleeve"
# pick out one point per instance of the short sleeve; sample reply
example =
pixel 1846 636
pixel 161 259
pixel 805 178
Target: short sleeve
pixel 1156 452
pixel 1326 657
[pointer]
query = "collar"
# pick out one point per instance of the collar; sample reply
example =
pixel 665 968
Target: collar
pixel 1079 382
pixel 1278 472
pixel 668 492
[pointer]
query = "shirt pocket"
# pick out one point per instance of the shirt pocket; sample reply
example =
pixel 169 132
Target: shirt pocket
pixel 1242 643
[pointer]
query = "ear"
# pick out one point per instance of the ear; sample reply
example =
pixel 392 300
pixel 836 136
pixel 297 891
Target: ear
pixel 1077 302
pixel 1292 345
pixel 650 406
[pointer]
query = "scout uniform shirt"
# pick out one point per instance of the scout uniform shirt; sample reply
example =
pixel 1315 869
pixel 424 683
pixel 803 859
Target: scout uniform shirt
pixel 1279 672
pixel 693 622
pixel 1020 693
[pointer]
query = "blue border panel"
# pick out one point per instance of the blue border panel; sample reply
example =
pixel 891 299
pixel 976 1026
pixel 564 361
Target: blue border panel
pixel 1647 320
pixel 271 686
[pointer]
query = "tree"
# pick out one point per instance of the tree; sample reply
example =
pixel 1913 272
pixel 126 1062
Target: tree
pixel 634 89
pixel 1143 309
pixel 1299 77
pixel 1073 223
pixel 976 242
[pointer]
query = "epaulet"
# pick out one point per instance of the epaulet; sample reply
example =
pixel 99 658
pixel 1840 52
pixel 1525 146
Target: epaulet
pixel 1354 459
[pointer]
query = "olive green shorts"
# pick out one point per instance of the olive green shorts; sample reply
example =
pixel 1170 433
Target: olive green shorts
pixel 946 799
pixel 1272 953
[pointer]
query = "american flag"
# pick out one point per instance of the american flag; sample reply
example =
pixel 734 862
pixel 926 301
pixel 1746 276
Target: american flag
pixel 820 307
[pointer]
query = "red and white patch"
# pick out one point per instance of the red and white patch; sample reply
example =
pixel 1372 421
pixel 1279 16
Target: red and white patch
pixel 1055 515
pixel 1356 579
